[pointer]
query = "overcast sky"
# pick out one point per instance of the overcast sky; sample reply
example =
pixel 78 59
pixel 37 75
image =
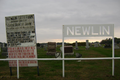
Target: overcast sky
pixel 50 15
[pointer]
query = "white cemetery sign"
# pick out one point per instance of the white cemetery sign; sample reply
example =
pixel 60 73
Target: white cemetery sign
pixel 21 40
pixel 89 30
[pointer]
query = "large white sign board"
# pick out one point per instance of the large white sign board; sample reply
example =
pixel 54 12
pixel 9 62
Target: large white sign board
pixel 21 39
pixel 88 30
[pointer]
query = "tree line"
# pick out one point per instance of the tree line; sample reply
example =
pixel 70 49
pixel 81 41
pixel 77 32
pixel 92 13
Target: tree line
pixel 109 41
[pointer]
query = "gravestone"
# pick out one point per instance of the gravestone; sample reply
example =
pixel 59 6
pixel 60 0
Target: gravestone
pixel 68 50
pixel 42 46
pixel 38 47
pixel 0 44
pixel 107 46
pixel 51 48
pixel 57 55
pixel 76 45
pixel 96 44
pixel 78 55
pixel 3 45
pixel 4 51
pixel 45 47
pixel 116 46
pixel 87 44
pixel 0 49
pixel 119 44
pixel 91 44
pixel 100 45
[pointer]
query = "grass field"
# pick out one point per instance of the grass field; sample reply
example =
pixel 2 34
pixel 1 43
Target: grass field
pixel 52 70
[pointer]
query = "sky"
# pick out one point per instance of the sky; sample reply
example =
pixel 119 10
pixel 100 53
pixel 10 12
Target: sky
pixel 51 15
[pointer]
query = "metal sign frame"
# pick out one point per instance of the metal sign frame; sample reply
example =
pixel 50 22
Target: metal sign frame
pixel 88 30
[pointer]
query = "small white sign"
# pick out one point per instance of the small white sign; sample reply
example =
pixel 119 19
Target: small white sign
pixel 90 30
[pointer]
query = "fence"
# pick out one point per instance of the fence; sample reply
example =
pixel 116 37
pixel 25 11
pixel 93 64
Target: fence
pixel 103 30
pixel 101 58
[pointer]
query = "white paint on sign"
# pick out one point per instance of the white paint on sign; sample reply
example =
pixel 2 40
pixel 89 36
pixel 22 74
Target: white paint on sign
pixel 86 30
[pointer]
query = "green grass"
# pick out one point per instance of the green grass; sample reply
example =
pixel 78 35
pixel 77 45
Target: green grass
pixel 52 70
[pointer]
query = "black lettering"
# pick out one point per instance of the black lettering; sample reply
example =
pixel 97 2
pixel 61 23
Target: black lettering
pixel 30 16
pixel 13 18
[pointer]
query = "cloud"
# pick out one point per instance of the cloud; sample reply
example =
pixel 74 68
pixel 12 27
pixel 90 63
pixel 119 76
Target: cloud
pixel 50 15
